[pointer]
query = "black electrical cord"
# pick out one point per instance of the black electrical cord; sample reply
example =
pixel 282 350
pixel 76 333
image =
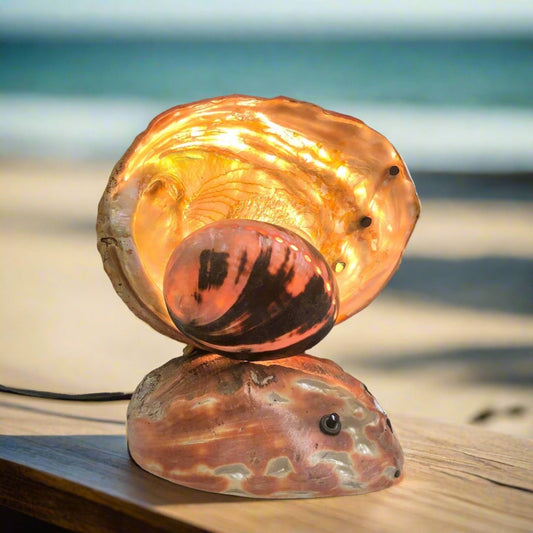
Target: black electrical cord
pixel 90 397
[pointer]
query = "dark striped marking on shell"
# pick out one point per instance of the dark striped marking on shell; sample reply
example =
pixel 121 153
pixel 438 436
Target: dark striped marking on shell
pixel 245 287
pixel 213 269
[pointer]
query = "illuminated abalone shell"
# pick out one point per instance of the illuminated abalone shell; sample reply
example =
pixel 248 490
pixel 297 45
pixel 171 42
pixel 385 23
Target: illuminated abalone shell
pixel 250 289
pixel 297 427
pixel 325 176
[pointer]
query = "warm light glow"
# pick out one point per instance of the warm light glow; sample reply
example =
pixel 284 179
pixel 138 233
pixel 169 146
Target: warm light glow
pixel 361 192
pixel 323 154
pixel 342 172
pixel 339 266
pixel 279 161
pixel 197 132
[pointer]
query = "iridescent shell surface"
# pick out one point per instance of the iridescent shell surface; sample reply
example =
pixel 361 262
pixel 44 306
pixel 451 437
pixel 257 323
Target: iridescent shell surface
pixel 328 177
pixel 261 429
pixel 250 289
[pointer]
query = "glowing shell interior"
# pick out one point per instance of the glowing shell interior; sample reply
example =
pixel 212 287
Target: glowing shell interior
pixel 287 428
pixel 328 177
pixel 243 287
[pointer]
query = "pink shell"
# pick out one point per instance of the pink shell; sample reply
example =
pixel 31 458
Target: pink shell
pixel 250 289
pixel 254 428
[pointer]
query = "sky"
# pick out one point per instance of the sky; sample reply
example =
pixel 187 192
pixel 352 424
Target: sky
pixel 275 17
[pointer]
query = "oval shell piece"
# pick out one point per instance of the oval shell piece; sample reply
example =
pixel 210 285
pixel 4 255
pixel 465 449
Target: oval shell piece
pixel 298 427
pixel 328 177
pixel 250 289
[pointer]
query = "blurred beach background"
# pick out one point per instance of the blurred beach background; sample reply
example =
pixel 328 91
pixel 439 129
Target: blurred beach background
pixel 449 83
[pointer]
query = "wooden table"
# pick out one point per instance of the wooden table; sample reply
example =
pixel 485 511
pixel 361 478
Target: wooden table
pixel 67 463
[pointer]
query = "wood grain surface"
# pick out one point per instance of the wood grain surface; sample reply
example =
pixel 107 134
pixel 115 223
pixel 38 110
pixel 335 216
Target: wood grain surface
pixel 67 463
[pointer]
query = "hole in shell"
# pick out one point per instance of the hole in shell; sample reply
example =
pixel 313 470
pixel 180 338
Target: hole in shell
pixel 365 222
pixel 330 424
pixel 394 170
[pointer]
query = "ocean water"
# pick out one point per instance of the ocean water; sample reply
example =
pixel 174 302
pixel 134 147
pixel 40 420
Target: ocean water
pixel 445 103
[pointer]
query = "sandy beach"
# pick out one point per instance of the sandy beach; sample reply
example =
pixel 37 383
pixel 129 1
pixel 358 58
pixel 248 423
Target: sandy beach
pixel 450 338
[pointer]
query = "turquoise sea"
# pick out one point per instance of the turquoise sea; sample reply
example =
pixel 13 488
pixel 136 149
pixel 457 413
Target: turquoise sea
pixel 419 92
pixel 487 72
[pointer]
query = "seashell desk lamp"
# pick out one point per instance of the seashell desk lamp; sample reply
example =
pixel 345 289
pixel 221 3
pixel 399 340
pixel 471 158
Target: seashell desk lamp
pixel 247 228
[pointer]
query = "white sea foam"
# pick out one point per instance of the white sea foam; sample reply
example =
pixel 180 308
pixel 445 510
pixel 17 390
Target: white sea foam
pixel 428 138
